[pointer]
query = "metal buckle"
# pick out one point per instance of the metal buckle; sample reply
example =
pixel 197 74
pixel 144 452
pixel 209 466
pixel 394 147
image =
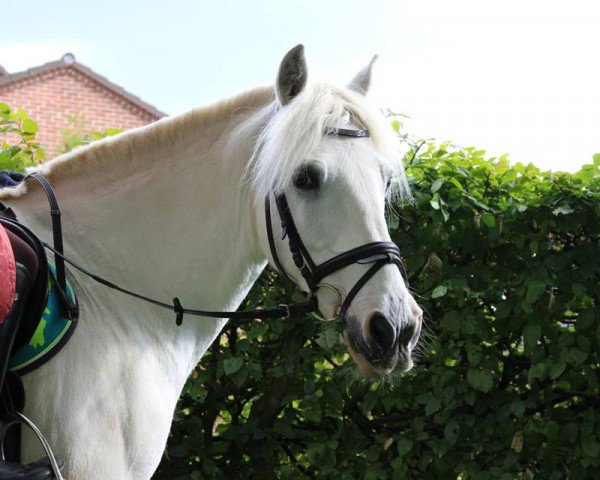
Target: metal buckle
pixel 288 313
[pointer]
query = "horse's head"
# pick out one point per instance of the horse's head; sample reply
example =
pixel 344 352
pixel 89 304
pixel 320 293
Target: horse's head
pixel 314 155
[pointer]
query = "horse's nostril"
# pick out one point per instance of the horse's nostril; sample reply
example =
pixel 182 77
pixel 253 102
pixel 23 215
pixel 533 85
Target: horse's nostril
pixel 407 334
pixel 382 331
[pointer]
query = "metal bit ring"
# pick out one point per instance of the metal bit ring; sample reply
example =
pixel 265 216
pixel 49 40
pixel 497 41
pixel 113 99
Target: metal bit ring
pixel 337 311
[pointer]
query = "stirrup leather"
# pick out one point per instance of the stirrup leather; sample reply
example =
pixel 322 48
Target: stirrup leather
pixel 19 418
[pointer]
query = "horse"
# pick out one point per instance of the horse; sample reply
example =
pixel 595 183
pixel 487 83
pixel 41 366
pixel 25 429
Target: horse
pixel 177 207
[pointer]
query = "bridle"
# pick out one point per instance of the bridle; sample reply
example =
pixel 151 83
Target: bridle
pixel 377 253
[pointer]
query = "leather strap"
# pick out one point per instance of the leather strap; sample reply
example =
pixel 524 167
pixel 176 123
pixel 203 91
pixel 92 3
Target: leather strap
pixel 271 238
pixel 281 311
pixel 57 239
pixel 347 132
pixel 300 255
pixel 366 253
pixel 360 284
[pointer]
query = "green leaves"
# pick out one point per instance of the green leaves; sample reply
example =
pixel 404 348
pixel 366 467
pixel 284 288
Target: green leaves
pixel 404 445
pixel 590 447
pixel 488 219
pixel 432 406
pixel 436 185
pixel 29 126
pixel 537 372
pixel 328 338
pixel 535 289
pixel 480 380
pixel 531 335
pixel 451 432
pixel 232 365
pixel 77 134
pixel 435 202
pixel 562 210
pixel 18 147
pixel 439 291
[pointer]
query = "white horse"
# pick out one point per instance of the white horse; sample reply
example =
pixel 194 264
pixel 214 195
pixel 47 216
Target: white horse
pixel 176 208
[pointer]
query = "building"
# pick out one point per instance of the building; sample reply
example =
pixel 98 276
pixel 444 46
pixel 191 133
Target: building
pixel 65 96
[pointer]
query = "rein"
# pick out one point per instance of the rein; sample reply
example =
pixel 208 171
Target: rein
pixel 378 253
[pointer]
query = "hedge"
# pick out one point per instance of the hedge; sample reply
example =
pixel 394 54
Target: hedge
pixel 505 261
pixel 19 147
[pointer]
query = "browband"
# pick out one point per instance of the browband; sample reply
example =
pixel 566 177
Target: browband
pixel 347 132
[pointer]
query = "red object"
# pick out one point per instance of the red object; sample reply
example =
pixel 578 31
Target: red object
pixel 8 275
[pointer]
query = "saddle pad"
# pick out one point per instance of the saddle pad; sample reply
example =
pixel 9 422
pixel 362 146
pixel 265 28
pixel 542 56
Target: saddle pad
pixel 51 334
pixel 7 275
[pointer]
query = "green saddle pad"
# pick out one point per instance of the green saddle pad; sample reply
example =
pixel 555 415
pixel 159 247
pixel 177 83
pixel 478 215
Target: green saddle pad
pixel 51 334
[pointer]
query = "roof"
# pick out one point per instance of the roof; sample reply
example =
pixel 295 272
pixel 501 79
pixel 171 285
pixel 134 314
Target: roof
pixel 68 62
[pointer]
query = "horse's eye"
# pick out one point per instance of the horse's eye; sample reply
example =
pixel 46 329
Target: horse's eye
pixel 307 178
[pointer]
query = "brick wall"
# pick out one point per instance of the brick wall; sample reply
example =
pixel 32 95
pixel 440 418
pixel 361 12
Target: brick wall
pixel 50 98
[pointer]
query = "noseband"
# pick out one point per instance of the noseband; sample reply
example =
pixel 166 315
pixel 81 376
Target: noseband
pixel 377 253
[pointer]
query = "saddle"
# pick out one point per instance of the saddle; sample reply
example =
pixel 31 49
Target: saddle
pixel 37 292
pixel 31 293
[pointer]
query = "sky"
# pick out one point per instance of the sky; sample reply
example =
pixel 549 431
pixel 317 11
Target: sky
pixel 516 77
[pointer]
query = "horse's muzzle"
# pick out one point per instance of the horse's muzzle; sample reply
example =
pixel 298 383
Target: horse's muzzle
pixel 385 345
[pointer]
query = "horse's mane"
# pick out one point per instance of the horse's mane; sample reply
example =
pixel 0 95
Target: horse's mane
pixel 289 137
pixel 103 154
pixel 280 140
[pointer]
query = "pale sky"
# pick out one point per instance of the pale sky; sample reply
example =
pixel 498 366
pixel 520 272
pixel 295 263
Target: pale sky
pixel 517 77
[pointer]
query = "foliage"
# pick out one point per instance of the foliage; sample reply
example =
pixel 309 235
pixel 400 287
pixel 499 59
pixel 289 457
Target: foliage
pixel 77 134
pixel 18 146
pixel 506 261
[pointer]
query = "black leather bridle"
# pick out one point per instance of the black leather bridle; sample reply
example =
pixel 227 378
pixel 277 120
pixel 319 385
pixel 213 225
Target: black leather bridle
pixel 377 253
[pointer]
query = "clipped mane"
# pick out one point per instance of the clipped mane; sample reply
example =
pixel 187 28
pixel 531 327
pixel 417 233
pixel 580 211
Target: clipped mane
pixel 289 136
pixel 138 143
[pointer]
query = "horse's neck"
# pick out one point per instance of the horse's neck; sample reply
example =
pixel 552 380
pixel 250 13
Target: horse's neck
pixel 181 226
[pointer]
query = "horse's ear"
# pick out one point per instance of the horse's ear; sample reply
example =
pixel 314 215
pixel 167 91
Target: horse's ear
pixel 360 83
pixel 292 75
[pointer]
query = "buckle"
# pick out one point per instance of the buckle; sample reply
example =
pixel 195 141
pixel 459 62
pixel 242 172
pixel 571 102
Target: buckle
pixel 288 313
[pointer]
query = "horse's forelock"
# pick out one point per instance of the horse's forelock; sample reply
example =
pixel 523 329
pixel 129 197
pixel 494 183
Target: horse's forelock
pixel 284 138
